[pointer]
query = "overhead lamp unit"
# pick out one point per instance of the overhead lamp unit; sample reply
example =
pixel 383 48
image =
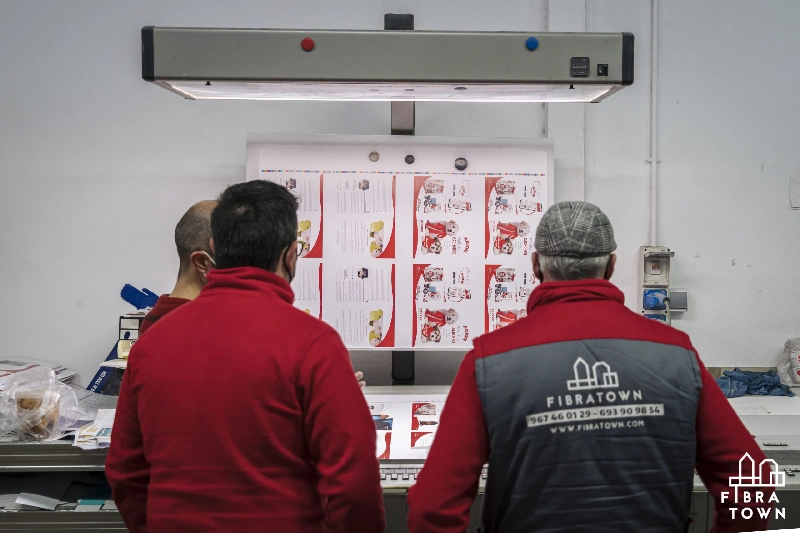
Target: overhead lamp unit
pixel 262 64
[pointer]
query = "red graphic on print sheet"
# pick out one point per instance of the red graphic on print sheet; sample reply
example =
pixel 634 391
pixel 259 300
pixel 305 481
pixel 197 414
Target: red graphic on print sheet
pixel 489 275
pixel 386 446
pixel 491 184
pixel 388 250
pixel 388 339
pixel 418 272
pixel 316 251
pixel 419 183
pixel 421 409
pixel 421 439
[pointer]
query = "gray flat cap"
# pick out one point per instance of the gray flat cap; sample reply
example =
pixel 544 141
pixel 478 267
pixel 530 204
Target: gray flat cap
pixel 575 229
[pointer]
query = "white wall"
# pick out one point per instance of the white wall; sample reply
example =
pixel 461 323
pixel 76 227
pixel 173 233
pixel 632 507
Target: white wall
pixel 96 166
pixel 728 144
pixel 730 130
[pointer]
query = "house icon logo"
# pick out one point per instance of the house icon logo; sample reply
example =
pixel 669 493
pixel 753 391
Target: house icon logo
pixel 750 476
pixel 599 376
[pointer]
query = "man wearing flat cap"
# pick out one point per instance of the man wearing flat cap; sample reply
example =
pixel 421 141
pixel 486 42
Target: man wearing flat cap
pixel 591 417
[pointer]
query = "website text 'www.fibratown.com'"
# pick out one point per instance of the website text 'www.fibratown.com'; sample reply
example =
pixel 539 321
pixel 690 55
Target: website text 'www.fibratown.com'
pixel 594 426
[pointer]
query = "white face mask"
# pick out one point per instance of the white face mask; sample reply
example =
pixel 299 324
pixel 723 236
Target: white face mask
pixel 205 277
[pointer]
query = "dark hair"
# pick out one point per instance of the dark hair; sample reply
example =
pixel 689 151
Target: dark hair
pixel 252 224
pixel 193 232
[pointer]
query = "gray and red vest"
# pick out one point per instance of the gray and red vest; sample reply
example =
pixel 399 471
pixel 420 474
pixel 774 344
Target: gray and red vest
pixel 593 431
pixel 592 419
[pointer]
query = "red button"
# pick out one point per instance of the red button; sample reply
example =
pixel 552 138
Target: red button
pixel 307 44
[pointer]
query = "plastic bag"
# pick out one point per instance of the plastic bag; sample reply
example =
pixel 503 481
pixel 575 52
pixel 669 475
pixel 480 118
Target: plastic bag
pixel 789 367
pixel 36 406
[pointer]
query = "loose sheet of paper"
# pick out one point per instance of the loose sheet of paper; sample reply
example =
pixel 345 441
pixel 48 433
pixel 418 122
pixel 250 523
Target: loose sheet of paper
pixel 405 424
pixel 44 491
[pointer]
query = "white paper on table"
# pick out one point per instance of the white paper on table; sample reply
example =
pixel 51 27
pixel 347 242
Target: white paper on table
pixel 91 401
pixel 115 363
pixel 110 505
pixel 45 491
pixel 399 409
pixel 105 418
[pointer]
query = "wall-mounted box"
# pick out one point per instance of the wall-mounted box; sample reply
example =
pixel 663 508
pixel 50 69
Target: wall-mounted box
pixel 654 266
pixel 661 316
pixel 654 299
pixel 678 300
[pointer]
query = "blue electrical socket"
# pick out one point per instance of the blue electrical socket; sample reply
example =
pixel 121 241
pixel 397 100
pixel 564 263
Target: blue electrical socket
pixel 660 318
pixel 653 299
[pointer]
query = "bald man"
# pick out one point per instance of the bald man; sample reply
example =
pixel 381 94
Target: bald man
pixel 192 239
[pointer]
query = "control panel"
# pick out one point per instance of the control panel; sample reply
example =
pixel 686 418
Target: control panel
pixel 654 269
pixel 401 475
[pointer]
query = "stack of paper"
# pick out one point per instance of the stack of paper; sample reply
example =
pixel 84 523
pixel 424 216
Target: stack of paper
pixel 97 434
pixel 10 366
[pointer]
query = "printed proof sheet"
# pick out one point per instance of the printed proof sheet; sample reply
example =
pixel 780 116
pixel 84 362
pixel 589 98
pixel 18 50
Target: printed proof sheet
pixel 411 255
pixel 405 424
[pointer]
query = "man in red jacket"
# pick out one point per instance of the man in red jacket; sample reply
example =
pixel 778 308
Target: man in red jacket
pixel 239 412
pixel 193 242
pixel 592 418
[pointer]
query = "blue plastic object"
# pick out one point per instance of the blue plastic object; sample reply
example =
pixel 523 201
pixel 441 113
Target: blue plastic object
pixel 138 298
pixel 654 299
pixel 531 43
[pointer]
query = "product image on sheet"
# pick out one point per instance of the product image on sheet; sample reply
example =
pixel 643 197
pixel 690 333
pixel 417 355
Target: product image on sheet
pixel 425 416
pixel 509 238
pixel 507 293
pixel 307 188
pixel 446 218
pixel 514 207
pixel 445 311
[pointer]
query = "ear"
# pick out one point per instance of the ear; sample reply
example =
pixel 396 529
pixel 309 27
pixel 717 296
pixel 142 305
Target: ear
pixel 612 260
pixel 537 271
pixel 211 244
pixel 200 262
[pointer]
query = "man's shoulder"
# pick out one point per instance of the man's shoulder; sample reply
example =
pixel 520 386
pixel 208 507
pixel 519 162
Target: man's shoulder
pixel 304 319
pixel 625 324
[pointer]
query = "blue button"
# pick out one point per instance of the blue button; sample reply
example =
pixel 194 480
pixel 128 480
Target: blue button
pixel 531 43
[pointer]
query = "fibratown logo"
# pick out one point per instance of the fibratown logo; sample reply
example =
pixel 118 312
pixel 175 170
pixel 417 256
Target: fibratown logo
pixel 751 477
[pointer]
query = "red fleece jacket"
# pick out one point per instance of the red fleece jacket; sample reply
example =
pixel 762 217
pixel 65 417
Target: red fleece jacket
pixel 562 311
pixel 165 304
pixel 240 413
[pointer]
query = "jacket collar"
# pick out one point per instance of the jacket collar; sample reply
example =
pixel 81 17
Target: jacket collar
pixel 248 279
pixel 583 290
